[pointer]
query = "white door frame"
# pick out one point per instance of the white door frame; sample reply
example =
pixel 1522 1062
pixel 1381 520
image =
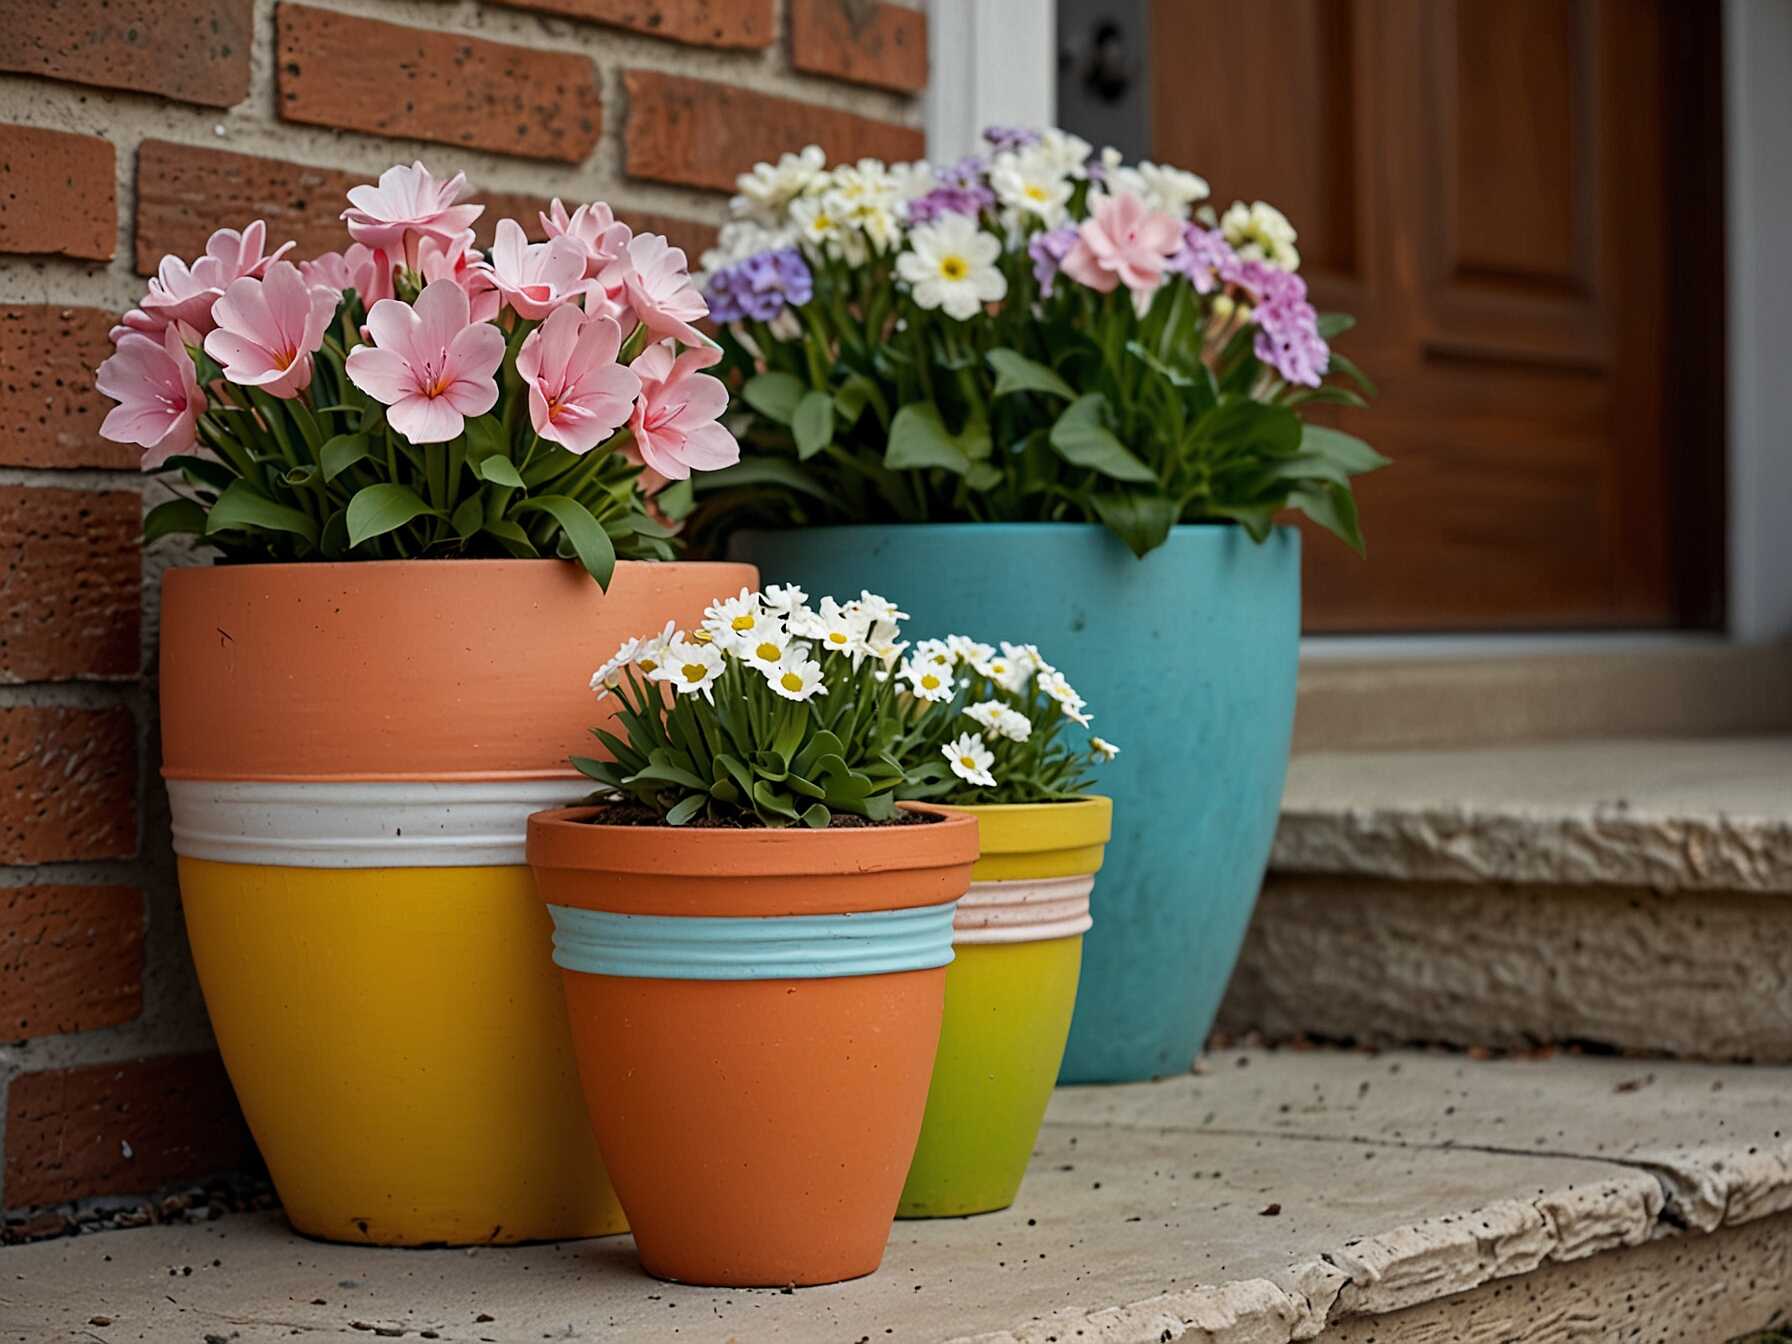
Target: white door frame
pixel 994 62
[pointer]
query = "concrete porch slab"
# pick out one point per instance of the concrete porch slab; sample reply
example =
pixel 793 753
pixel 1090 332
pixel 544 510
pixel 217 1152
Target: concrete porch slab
pixel 1276 1196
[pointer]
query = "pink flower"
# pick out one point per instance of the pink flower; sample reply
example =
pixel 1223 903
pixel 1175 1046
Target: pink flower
pixel 578 394
pixel 430 366
pixel 658 287
pixel 157 391
pixel 408 205
pixel 458 260
pixel 593 227
pixel 268 330
pixel 358 267
pixel 535 278
pixel 674 422
pixel 144 325
pixel 1124 242
pixel 183 293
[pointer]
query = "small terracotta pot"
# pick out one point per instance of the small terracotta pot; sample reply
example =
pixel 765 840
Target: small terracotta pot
pixel 755 1015
pixel 1009 995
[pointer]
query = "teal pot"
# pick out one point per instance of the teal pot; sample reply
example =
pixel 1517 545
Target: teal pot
pixel 1188 661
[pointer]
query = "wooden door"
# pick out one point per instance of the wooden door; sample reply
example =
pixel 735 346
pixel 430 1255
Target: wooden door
pixel 1509 195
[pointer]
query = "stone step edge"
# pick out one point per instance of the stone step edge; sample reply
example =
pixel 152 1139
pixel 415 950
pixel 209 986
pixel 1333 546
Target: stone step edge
pixel 1669 1193
pixel 1604 846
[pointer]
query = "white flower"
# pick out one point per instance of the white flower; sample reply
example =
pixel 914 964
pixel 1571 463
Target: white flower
pixel 819 224
pixel 730 620
pixel 875 608
pixel 1000 718
pixel 970 759
pixel 967 649
pixel 608 676
pixel 937 653
pixel 1004 671
pixel 770 187
pixel 951 265
pixel 740 239
pixel 1070 704
pixel 1158 185
pixel 1027 656
pixel 1030 183
pixel 1260 232
pixel 1066 153
pixel 785 597
pixel 836 628
pixel 1075 714
pixel 796 677
pixel 1104 748
pixel 653 650
pixel 883 644
pixel 765 648
pixel 691 667
pixel 928 683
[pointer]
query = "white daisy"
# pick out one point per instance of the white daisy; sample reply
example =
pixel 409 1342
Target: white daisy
pixel 1030 183
pixel 875 608
pixel 770 187
pixel 729 620
pixel 1027 656
pixel 691 668
pixel 951 265
pixel 970 759
pixel 929 683
pixel 1067 153
pixel 796 678
pixel 967 649
pixel 785 597
pixel 652 652
pixel 838 629
pixel 765 648
pixel 883 644
pixel 1000 718
pixel 985 713
pixel 818 222
pixel 1104 748
pixel 936 652
pixel 1075 713
pixel 1004 671
pixel 1260 232
pixel 607 677
pixel 1055 685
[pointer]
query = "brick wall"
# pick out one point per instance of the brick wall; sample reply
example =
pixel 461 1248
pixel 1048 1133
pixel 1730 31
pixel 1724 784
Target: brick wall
pixel 132 128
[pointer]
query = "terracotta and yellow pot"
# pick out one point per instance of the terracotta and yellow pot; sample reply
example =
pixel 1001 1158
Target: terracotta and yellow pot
pixel 1010 990
pixel 351 752
pixel 755 1014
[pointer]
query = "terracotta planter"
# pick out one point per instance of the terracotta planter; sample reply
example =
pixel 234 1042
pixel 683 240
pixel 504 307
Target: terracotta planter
pixel 755 1015
pixel 1010 990
pixel 351 751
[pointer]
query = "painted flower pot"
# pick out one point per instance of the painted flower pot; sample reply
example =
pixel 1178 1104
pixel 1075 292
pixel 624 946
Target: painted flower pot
pixel 1188 657
pixel 1018 939
pixel 351 752
pixel 755 1014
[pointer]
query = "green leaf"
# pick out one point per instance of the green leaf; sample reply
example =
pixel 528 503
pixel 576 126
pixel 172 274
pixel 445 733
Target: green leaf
pixel 300 475
pixel 1238 423
pixel 1333 507
pixel 499 470
pixel 486 438
pixel 589 541
pixel 1016 373
pixel 202 470
pixel 813 424
pixel 918 438
pixel 677 500
pixel 1174 376
pixel 983 476
pixel 469 517
pixel 1334 324
pixel 241 506
pixel 1256 519
pixel 817 817
pixel 1142 521
pixel 854 394
pixel 1082 440
pixel 663 772
pixel 512 538
pixel 1348 453
pixel 774 395
pixel 378 509
pixel 1339 364
pixel 342 452
pixel 763 471
pixel 684 809
pixel 173 517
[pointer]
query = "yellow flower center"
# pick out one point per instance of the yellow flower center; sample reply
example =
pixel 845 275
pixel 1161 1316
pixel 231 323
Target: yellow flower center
pixel 836 637
pixel 954 268
pixel 648 664
pixel 929 682
pixel 791 682
pixel 1034 192
pixel 695 671
pixel 968 762
pixel 742 622
pixel 767 652
pixel 701 637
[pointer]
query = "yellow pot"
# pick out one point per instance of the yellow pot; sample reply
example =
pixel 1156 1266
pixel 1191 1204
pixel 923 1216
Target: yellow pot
pixel 1018 940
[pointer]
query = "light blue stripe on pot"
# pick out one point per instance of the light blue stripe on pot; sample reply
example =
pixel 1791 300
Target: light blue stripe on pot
pixel 779 947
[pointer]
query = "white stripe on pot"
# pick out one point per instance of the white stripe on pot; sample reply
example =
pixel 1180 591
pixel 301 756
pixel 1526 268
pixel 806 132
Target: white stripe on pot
pixel 387 824
pixel 1024 910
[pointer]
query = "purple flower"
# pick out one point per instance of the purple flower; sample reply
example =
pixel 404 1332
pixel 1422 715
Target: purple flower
pixel 1048 250
pixel 967 172
pixel 760 287
pixel 1205 257
pixel 1010 137
pixel 1288 338
pixel 949 200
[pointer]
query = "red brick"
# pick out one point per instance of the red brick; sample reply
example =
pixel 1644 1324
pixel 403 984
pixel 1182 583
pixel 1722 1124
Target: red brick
pixel 71 959
pixel 70 571
pixel 388 79
pixel 193 50
pixel 68 784
pixel 57 193
pixel 50 412
pixel 700 134
pixel 880 44
pixel 112 1129
pixel 702 23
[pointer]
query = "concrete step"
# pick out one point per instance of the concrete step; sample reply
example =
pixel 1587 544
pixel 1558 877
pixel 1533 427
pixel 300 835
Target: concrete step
pixel 1276 1196
pixel 1635 894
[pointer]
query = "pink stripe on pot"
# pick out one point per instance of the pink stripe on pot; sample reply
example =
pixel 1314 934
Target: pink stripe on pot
pixel 1024 910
